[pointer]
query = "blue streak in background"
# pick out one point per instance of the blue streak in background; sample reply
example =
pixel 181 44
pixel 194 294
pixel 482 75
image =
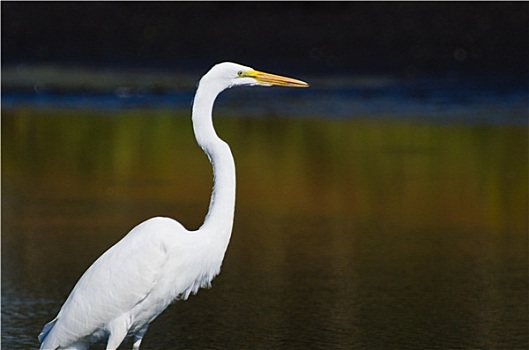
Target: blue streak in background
pixel 478 100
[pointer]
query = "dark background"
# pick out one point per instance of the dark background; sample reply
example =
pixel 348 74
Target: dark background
pixel 357 37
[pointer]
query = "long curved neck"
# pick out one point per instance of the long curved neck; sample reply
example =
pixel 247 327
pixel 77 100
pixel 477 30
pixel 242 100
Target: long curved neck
pixel 222 204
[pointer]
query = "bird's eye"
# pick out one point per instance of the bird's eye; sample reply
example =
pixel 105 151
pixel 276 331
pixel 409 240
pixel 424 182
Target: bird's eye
pixel 240 73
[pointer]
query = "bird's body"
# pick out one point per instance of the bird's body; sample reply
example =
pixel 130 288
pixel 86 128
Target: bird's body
pixel 158 261
pixel 132 294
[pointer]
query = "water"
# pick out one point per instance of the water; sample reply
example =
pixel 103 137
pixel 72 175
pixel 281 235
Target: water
pixel 372 232
pixel 497 99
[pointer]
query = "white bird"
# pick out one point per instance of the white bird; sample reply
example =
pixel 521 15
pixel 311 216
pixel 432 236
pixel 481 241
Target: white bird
pixel 159 261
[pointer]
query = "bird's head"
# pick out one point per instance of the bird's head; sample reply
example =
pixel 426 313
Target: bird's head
pixel 232 74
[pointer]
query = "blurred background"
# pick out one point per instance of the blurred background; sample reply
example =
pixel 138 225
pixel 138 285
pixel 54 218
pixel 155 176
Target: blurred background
pixel 351 37
pixel 384 207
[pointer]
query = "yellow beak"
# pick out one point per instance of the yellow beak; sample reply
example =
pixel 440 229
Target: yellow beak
pixel 272 79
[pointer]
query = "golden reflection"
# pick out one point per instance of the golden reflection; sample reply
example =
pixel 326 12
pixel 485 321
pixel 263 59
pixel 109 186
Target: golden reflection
pixel 408 174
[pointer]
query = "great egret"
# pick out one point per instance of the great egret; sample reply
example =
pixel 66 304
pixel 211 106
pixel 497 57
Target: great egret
pixel 159 261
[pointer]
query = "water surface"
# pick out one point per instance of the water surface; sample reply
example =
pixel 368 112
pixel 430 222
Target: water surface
pixel 365 233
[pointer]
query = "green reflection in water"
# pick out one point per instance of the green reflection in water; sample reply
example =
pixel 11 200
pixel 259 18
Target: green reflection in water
pixel 363 233
pixel 406 173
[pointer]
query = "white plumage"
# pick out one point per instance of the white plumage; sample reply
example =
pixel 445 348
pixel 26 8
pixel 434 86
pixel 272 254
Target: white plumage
pixel 159 261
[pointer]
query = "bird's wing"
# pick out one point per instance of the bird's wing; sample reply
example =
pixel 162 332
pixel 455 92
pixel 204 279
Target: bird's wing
pixel 120 279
